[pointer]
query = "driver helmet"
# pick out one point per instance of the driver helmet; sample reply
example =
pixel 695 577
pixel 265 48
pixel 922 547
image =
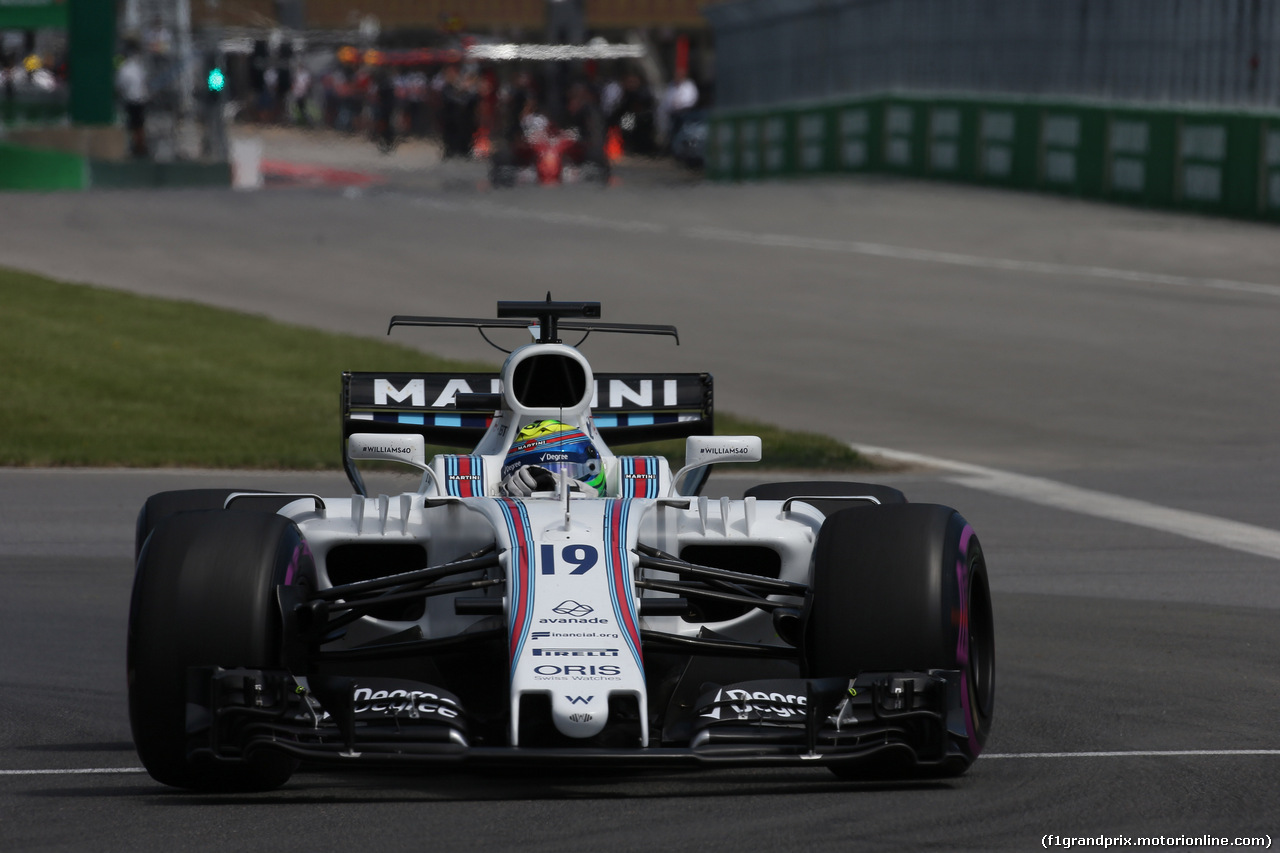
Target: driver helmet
pixel 556 447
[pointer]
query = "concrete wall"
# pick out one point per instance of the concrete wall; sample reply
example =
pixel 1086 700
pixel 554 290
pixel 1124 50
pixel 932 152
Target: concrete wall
pixel 101 142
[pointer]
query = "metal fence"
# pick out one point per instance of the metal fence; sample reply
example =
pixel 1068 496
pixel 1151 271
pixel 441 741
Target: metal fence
pixel 1203 52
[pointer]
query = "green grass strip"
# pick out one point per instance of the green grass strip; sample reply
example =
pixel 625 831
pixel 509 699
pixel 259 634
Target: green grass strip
pixel 95 377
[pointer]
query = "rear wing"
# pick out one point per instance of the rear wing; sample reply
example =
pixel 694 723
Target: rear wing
pixel 627 407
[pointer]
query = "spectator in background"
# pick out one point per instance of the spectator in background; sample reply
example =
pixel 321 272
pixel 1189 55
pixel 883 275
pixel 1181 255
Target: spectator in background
pixel 586 117
pixel 534 124
pixel 300 96
pixel 350 94
pixel 258 64
pixel 486 111
pixel 634 116
pixel 159 38
pixel 681 97
pixel 416 89
pixel 507 136
pixel 384 108
pixel 512 100
pixel 39 76
pixel 471 96
pixel 457 114
pixel 450 109
pixel 8 72
pixel 610 97
pixel 267 102
pixel 283 88
pixel 131 87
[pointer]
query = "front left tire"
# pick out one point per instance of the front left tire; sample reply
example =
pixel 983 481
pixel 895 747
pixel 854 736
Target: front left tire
pixel 205 595
pixel 161 505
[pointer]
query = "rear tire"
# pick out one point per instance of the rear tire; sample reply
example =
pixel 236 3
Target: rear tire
pixel 904 588
pixel 205 595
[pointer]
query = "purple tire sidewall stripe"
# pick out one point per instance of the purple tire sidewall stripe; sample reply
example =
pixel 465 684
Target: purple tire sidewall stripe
pixel 301 551
pixel 962 640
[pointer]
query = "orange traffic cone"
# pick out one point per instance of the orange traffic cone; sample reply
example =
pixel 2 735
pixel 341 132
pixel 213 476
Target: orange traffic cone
pixel 613 147
pixel 480 144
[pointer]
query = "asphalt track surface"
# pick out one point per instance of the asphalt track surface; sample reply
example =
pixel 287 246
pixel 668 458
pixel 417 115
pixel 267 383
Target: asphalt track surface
pixel 1094 388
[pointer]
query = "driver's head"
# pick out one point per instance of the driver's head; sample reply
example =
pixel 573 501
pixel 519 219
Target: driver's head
pixel 556 447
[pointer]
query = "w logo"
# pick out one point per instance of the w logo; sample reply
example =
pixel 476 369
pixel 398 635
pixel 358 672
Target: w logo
pixel 579 700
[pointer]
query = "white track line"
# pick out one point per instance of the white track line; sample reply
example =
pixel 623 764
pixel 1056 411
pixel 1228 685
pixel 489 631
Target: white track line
pixel 1222 532
pixel 848 247
pixel 75 771
pixel 549 217
pixel 1137 753
pixel 906 253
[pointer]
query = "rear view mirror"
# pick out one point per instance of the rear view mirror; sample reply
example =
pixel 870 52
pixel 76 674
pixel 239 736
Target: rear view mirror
pixel 700 450
pixel 409 449
pixel 706 449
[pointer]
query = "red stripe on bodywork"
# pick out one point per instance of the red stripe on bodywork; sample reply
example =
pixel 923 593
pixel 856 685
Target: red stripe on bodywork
pixel 626 595
pixel 466 487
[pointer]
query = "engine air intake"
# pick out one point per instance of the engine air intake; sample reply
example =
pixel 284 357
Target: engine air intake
pixel 549 381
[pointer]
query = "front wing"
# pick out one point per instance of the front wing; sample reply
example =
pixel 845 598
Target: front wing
pixel 871 719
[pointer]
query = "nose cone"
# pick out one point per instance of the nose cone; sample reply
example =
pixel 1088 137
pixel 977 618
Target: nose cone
pixel 579 715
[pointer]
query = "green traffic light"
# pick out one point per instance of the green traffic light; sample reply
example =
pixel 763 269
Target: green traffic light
pixel 216 80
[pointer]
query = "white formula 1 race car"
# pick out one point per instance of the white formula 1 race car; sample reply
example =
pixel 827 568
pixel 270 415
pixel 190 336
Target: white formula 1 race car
pixel 542 600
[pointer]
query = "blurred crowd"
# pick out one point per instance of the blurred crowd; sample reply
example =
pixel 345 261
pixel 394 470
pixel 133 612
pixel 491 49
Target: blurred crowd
pixel 475 110
pixel 31 74
pixel 495 110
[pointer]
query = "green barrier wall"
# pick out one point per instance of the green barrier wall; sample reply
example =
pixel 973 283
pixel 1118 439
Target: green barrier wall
pixel 125 174
pixel 91 29
pixel 23 168
pixel 35 169
pixel 1209 161
pixel 19 112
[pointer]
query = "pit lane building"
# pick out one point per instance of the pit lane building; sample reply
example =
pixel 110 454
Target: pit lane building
pixel 673 32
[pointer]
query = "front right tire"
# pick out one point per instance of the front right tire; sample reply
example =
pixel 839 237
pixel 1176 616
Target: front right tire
pixel 903 587
pixel 819 488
